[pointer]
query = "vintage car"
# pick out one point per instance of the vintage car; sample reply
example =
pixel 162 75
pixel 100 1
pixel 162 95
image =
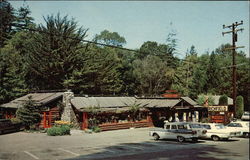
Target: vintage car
pixel 193 126
pixel 7 126
pixel 217 131
pixel 174 130
pixel 245 116
pixel 241 126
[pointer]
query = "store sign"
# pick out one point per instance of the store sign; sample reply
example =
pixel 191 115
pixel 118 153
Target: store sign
pixel 217 108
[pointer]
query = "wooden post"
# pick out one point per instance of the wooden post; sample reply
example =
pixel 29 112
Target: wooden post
pixel 184 117
pixel 50 118
pixel 44 119
pixel 84 120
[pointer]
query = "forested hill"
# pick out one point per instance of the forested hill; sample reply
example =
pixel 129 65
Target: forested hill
pixel 55 56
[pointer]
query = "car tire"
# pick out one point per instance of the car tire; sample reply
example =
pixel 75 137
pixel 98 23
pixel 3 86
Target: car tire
pixel 180 139
pixel 215 138
pixel 156 136
pixel 246 135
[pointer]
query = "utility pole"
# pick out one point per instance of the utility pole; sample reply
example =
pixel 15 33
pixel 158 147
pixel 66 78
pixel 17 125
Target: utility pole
pixel 233 48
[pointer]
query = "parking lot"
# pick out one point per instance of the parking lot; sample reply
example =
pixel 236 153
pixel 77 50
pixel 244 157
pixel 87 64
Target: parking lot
pixel 120 144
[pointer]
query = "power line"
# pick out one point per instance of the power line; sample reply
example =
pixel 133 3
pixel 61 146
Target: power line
pixel 106 45
pixel 241 64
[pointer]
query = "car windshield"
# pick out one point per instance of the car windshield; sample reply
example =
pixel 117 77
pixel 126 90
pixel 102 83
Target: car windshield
pixel 195 126
pixel 220 126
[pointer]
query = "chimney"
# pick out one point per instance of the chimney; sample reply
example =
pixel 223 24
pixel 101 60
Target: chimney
pixel 68 113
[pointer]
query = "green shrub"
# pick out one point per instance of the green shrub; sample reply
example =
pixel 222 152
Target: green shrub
pixel 65 130
pixel 223 100
pixel 96 129
pixel 205 120
pixel 239 106
pixel 59 130
pixel 15 120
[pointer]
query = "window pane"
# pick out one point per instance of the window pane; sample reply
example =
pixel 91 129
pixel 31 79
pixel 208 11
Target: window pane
pixel 174 127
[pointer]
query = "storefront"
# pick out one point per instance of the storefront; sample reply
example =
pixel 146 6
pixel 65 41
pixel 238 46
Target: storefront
pixel 110 113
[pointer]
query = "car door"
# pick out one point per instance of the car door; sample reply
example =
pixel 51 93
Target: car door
pixel 172 131
pixel 167 131
pixel 208 128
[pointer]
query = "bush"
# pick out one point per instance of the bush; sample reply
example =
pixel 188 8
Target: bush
pixel 96 129
pixel 65 130
pixel 223 100
pixel 15 120
pixel 205 120
pixel 239 106
pixel 59 130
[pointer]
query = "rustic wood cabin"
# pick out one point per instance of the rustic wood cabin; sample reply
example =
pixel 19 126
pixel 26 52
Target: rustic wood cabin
pixel 49 102
pixel 172 109
pixel 110 113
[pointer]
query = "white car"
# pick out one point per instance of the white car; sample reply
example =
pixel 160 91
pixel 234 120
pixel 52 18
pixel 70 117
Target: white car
pixel 217 131
pixel 174 130
pixel 191 126
pixel 245 116
pixel 241 126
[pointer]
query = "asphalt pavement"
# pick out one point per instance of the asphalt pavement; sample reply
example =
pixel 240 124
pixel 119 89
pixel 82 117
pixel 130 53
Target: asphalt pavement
pixel 121 144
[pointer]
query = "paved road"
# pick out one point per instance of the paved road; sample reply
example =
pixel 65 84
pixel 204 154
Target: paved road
pixel 122 144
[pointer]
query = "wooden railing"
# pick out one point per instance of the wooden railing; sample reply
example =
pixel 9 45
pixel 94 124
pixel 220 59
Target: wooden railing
pixel 127 125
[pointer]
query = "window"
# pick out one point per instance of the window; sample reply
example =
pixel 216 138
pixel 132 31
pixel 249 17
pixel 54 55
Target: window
pixel 220 126
pixel 195 126
pixel 167 126
pixel 173 127
pixel 206 126
pixel 182 127
pixel 234 125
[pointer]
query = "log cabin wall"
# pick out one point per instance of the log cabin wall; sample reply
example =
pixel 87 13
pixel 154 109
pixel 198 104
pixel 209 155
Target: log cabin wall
pixel 49 117
pixel 8 113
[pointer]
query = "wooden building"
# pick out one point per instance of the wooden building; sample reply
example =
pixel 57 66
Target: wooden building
pixel 172 109
pixel 110 113
pixel 47 101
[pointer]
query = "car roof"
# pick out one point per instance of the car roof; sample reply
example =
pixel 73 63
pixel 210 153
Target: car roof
pixel 176 123
pixel 240 122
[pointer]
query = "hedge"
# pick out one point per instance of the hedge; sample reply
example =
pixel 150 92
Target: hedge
pixel 59 130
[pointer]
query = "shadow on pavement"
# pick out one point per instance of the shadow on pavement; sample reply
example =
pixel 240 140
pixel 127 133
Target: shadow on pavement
pixel 160 150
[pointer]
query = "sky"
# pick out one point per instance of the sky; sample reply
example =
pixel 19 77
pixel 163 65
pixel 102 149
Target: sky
pixel 197 23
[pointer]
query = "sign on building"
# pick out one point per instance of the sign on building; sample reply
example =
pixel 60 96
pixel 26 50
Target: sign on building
pixel 217 108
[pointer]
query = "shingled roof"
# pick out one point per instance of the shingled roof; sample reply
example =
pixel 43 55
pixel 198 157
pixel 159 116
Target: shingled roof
pixel 81 103
pixel 40 99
